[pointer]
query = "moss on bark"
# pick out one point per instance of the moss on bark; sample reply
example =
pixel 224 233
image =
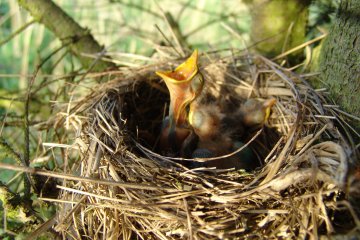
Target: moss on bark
pixel 340 57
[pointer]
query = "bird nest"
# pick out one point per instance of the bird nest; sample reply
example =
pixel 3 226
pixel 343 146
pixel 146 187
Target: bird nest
pixel 127 189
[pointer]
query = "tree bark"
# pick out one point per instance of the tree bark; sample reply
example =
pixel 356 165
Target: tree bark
pixel 340 57
pixel 278 25
pixel 68 31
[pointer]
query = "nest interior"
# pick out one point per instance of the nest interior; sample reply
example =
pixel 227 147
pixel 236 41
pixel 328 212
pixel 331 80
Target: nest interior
pixel 297 190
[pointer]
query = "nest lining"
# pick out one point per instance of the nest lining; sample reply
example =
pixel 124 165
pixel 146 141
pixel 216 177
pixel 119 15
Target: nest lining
pixel 293 194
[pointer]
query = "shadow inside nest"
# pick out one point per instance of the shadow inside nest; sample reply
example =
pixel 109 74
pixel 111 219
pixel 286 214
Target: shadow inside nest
pixel 148 104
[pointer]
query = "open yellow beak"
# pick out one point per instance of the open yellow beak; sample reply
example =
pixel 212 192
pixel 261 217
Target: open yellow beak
pixel 180 83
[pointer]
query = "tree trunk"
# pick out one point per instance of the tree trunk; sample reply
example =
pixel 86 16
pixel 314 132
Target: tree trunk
pixel 68 31
pixel 278 25
pixel 340 57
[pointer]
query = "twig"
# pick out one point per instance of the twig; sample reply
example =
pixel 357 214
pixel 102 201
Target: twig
pixel 299 47
pixel 168 41
pixel 65 176
pixel 10 151
pixel 175 30
pixel 66 30
pixel 26 161
pixel 14 34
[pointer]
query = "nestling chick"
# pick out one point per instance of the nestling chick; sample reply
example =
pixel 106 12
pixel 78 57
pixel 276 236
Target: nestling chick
pixel 184 84
pixel 215 140
pixel 255 112
pixel 206 123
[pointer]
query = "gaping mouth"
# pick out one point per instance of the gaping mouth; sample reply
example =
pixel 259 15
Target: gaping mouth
pixel 183 73
pixel 179 83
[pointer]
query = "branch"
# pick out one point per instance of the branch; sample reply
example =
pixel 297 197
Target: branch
pixel 68 31
pixel 22 28
pixel 8 150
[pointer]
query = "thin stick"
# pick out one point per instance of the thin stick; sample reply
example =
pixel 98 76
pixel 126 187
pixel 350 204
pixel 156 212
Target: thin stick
pixel 65 176
pixel 10 151
pixel 299 47
pixel 14 34
pixel 167 40
pixel 174 29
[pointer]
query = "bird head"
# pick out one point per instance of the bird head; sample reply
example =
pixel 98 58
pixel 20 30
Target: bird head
pixel 205 120
pixel 185 83
pixel 255 112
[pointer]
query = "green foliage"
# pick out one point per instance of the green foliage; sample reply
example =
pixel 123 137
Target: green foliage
pixel 321 15
pixel 279 26
pixel 4 9
pixel 14 213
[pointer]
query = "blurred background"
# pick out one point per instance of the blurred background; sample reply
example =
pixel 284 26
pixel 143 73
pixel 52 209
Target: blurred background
pixel 133 26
